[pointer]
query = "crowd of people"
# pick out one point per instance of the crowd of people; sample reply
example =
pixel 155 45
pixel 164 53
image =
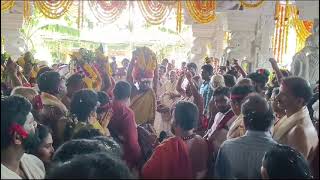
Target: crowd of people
pixel 162 122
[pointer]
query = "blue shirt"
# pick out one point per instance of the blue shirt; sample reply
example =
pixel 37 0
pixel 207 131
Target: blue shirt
pixel 206 92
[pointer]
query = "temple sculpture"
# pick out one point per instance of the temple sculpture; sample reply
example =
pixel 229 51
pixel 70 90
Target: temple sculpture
pixel 306 62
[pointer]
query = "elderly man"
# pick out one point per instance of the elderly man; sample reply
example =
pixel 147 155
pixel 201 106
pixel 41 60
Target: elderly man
pixel 241 157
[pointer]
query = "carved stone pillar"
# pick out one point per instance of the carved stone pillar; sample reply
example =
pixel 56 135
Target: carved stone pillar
pixel 263 41
pixel 251 32
pixel 208 40
pixel 219 29
pixel 11 22
pixel 242 26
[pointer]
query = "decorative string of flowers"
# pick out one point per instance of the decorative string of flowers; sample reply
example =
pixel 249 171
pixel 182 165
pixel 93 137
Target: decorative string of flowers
pixel 107 11
pixel 7 5
pixel 251 4
pixel 154 12
pixel 53 9
pixel 202 11
pixel 179 16
pixel 26 10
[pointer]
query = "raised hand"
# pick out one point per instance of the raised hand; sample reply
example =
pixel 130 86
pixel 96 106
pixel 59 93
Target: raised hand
pixel 272 61
pixel 236 62
pixel 12 67
pixel 188 75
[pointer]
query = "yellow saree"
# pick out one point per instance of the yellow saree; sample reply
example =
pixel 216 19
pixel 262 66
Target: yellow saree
pixel 144 107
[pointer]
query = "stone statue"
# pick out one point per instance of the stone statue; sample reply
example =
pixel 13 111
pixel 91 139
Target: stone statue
pixel 240 46
pixel 306 62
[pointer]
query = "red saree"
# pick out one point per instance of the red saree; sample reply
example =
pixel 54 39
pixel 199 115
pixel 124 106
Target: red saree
pixel 169 160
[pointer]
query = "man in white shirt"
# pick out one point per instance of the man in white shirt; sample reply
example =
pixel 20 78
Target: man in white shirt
pixel 17 136
pixel 295 129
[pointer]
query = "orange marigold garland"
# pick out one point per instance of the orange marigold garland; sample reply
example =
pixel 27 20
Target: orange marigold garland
pixel 308 25
pixel 7 5
pixel 154 12
pixel 202 11
pixel 107 11
pixel 251 4
pixel 53 9
pixel 179 16
pixel 26 10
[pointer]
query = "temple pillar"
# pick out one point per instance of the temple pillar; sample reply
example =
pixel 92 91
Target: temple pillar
pixel 11 23
pixel 208 39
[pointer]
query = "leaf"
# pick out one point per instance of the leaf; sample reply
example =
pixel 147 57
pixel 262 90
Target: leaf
pixel 61 29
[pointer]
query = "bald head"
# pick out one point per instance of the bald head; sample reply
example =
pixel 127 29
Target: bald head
pixel 257 113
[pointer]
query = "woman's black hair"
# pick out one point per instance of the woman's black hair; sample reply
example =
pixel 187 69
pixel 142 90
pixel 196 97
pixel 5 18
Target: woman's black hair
pixel 43 70
pixel 114 147
pixel 282 161
pixel 83 103
pixel 103 98
pixel 74 79
pixel 87 132
pixel 49 82
pixel 91 166
pixel 78 147
pixel 42 133
pixel 229 80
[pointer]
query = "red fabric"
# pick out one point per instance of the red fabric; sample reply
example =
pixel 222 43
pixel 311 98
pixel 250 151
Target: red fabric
pixel 124 125
pixel 18 129
pixel 27 85
pixel 110 91
pixel 37 102
pixel 138 73
pixel 204 122
pixel 170 160
pixel 236 97
pixel 225 120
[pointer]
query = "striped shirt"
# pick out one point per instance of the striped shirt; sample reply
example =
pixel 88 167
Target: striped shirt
pixel 242 157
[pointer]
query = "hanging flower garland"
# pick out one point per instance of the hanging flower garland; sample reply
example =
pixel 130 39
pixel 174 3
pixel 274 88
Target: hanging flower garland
pixel 107 11
pixel 154 12
pixel 7 5
pixel 251 4
pixel 202 11
pixel 73 10
pixel 53 9
pixel 26 10
pixel 308 25
pixel 301 29
pixel 179 16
